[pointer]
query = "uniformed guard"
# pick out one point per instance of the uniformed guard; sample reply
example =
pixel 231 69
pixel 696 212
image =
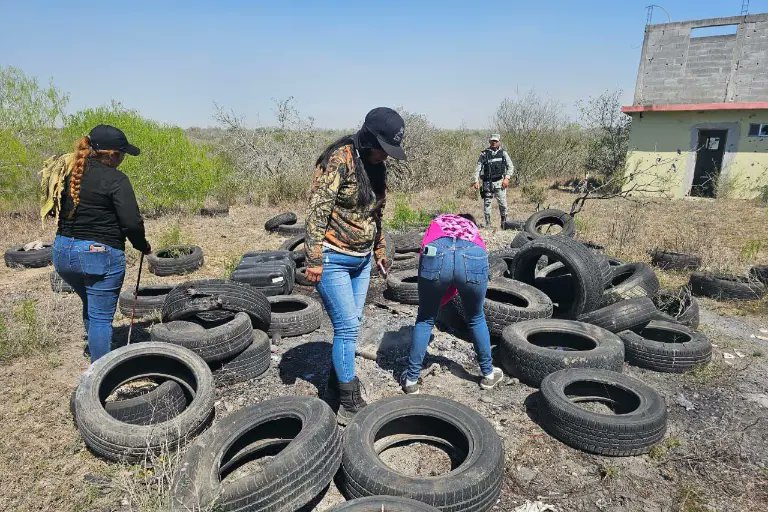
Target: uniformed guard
pixel 492 173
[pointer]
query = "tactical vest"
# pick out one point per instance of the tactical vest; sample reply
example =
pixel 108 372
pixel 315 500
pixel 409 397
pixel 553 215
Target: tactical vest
pixel 494 167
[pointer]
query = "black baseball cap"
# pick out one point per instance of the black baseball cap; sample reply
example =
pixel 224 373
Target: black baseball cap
pixel 389 128
pixel 105 137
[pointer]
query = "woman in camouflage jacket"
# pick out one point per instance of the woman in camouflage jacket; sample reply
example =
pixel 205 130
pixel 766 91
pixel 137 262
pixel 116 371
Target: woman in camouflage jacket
pixel 343 234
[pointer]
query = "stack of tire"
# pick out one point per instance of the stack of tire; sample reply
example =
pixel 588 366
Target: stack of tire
pixel 270 272
pixel 406 246
pixel 284 224
pixel 308 451
pixel 223 322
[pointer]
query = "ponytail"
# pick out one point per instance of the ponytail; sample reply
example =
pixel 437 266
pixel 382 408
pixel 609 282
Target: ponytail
pixel 83 150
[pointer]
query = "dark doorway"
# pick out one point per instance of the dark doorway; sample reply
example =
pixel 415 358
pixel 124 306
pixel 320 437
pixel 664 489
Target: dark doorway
pixel 709 160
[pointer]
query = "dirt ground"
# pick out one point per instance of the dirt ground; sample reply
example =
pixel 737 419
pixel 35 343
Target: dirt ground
pixel 714 457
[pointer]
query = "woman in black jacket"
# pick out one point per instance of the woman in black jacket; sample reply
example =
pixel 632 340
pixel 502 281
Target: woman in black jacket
pixel 98 212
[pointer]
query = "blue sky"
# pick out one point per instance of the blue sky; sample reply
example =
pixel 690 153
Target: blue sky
pixel 453 61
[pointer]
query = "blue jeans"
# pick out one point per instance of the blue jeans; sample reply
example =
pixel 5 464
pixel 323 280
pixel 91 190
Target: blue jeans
pixel 465 266
pixel 96 275
pixel 343 287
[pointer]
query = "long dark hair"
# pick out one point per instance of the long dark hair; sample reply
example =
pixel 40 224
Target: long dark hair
pixel 371 178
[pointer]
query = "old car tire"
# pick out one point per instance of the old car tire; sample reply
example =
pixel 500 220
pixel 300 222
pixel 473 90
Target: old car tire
pixel 623 315
pixel 509 301
pixel 120 441
pixel 384 504
pixel 161 404
pixel 550 217
pixel 58 284
pixel 403 286
pixel 294 315
pixel 672 260
pixel 677 306
pixel 17 257
pixel 630 281
pixel 666 347
pixel 579 263
pixel 216 295
pixel 533 349
pixel 639 423
pixel 213 341
pixel 249 364
pixel 287 219
pixel 149 300
pixel 725 287
pixel 175 260
pixel 472 486
pixel 301 435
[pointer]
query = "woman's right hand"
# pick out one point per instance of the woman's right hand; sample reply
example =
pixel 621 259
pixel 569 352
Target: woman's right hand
pixel 314 274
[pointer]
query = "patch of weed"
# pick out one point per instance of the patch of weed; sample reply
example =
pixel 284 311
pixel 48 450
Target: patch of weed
pixel 230 264
pixel 690 499
pixel 712 372
pixel 406 217
pixel 661 450
pixel 608 471
pixel 24 331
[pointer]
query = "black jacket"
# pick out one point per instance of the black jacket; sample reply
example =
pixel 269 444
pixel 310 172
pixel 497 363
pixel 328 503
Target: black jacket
pixel 107 213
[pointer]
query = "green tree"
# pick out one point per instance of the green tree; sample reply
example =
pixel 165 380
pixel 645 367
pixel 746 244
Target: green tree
pixel 30 115
pixel 171 174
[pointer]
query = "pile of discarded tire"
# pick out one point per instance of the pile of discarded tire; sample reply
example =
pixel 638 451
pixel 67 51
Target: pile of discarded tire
pixel 567 318
pixel 225 323
pixel 308 451
pixel 229 324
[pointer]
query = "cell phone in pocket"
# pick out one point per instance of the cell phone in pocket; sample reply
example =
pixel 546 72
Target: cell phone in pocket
pixel 430 250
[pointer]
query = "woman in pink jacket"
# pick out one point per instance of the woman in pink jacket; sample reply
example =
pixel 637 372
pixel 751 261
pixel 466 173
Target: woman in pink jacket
pixel 454 261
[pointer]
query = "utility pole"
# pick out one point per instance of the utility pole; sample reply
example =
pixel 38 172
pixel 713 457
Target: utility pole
pixel 744 7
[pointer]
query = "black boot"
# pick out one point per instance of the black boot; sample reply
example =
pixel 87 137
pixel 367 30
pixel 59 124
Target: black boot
pixel 351 401
pixel 331 394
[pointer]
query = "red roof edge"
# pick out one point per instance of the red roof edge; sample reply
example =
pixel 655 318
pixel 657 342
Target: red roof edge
pixel 683 107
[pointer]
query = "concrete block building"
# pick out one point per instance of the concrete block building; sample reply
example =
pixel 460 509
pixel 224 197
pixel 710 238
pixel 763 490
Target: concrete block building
pixel 700 111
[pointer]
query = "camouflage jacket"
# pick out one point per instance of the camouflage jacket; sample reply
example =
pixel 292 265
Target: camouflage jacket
pixel 334 217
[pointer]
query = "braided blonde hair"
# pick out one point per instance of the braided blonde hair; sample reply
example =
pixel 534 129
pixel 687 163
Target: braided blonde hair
pixel 84 151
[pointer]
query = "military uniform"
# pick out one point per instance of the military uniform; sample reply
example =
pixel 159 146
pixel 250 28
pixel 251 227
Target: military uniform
pixel 335 220
pixel 491 170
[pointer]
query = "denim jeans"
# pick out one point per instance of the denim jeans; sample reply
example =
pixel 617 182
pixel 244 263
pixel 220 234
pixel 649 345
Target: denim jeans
pixel 465 266
pixel 96 275
pixel 343 287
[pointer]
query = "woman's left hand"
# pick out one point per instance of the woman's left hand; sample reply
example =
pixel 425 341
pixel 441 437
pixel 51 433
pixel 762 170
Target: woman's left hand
pixel 383 265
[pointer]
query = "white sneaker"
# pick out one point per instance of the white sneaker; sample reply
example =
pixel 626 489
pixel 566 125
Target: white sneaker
pixel 490 381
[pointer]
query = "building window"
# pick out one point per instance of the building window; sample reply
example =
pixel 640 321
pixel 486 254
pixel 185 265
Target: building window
pixel 758 130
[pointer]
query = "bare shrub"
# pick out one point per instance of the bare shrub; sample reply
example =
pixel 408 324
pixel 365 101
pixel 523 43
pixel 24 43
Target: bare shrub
pixel 539 138
pixel 436 158
pixel 272 164
pixel 607 134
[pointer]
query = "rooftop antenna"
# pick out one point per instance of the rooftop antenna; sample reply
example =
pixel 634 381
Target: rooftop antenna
pixel 744 7
pixel 649 18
